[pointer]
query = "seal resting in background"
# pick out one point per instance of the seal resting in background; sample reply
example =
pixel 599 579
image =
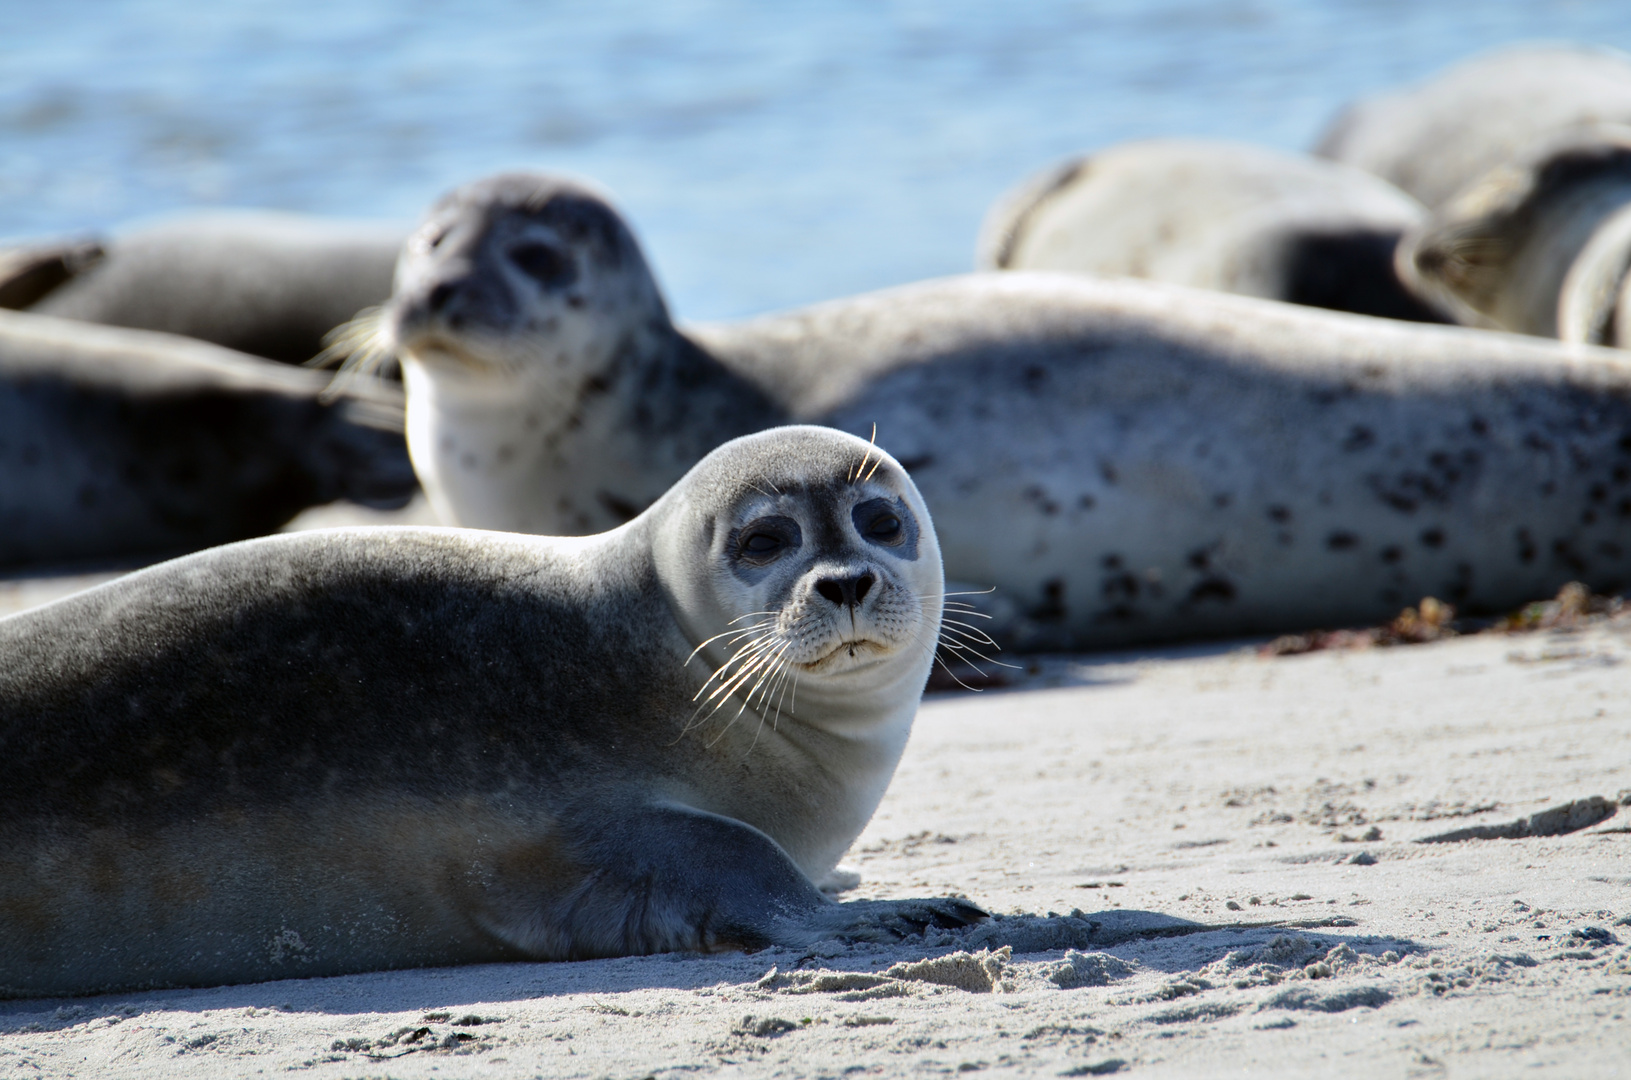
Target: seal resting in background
pixel 1436 137
pixel 379 748
pixel 1122 460
pixel 120 444
pixel 266 283
pixel 1215 215
pixel 1540 244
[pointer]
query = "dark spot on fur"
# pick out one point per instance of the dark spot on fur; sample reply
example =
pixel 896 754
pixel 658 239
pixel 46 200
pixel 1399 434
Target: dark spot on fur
pixel 532 422
pixel 1052 608
pixel 1222 501
pixel 1598 492
pixel 1199 558
pixel 1112 562
pixel 1433 538
pixel 1534 442
pixel 1609 549
pixel 1121 586
pixel 1360 438
pixel 1588 516
pixel 1478 426
pixel 506 453
pixel 1035 376
pixel 1341 541
pixel 1526 547
pixel 1279 513
pixel 1212 588
pixel 1086 502
pixel 1624 443
pixel 1563 551
pixel 1392 554
pixel 1108 471
pixel 574 301
pixel 1040 497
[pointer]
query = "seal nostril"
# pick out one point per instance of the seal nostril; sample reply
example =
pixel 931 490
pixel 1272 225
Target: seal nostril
pixel 846 591
pixel 863 585
pixel 832 590
pixel 439 296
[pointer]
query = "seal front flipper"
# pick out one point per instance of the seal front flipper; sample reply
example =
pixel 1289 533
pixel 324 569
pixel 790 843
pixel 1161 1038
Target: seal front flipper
pixel 673 878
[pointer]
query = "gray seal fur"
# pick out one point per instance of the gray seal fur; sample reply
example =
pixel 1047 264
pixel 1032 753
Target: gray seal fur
pixel 1122 460
pixel 267 283
pixel 1214 215
pixel 1436 137
pixel 362 749
pixel 1541 244
pixel 123 444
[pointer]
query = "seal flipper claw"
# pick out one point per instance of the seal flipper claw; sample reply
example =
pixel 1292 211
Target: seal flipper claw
pixel 888 920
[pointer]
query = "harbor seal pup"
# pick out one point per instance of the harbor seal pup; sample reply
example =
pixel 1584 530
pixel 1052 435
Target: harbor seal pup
pixel 379 748
pixel 1215 215
pixel 1541 244
pixel 1436 137
pixel 1121 460
pixel 123 444
pixel 266 283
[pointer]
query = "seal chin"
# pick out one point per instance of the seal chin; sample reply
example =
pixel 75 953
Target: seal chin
pixel 848 656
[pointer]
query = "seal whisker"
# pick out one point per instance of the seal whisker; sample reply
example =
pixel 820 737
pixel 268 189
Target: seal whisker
pixel 747 652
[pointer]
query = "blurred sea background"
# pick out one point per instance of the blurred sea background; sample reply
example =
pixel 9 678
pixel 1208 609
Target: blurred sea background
pixel 767 154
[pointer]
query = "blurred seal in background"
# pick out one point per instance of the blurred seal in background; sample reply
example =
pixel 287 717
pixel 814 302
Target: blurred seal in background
pixel 123 444
pixel 262 282
pixel 1436 137
pixel 1215 215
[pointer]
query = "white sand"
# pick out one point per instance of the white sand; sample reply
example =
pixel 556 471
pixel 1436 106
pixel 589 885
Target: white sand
pixel 1142 789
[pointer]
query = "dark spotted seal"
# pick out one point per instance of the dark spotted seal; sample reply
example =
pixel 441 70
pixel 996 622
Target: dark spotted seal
pixel 1215 215
pixel 1123 460
pixel 380 748
pixel 123 444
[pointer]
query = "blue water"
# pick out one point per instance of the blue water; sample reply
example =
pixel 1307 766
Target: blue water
pixel 768 154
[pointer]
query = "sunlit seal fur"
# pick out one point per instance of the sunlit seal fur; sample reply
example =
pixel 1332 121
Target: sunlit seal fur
pixel 1122 460
pixel 1215 215
pixel 379 748
pixel 1434 138
pixel 265 283
pixel 1540 244
pixel 123 444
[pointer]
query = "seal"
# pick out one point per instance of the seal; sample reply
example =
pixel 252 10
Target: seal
pixel 124 444
pixel 362 749
pixel 1215 215
pixel 1435 138
pixel 1120 460
pixel 266 283
pixel 1541 244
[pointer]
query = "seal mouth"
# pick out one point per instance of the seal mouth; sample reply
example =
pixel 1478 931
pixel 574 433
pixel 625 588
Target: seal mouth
pixel 848 656
pixel 436 350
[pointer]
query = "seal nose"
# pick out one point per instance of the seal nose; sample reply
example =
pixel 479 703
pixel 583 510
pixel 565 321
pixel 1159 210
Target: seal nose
pixel 439 296
pixel 846 592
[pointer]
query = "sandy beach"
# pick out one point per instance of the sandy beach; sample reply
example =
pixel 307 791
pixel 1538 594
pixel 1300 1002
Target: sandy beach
pixel 1200 861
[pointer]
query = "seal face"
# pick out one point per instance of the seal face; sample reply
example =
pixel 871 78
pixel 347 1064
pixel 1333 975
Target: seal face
pixel 373 748
pixel 1215 215
pixel 1120 460
pixel 1538 245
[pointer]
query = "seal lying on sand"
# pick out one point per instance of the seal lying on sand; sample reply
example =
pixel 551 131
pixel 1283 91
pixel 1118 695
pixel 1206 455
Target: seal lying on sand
pixel 118 444
pixel 1435 138
pixel 1540 244
pixel 1214 215
pixel 264 283
pixel 379 748
pixel 1122 460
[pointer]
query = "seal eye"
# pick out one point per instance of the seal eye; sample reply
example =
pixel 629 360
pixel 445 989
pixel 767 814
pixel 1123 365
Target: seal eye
pixel 544 264
pixel 762 542
pixel 882 521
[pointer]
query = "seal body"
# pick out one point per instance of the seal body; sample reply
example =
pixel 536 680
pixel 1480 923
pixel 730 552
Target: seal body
pixel 265 283
pixel 1215 215
pixel 1435 138
pixel 1541 244
pixel 120 444
pixel 1121 460
pixel 375 748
